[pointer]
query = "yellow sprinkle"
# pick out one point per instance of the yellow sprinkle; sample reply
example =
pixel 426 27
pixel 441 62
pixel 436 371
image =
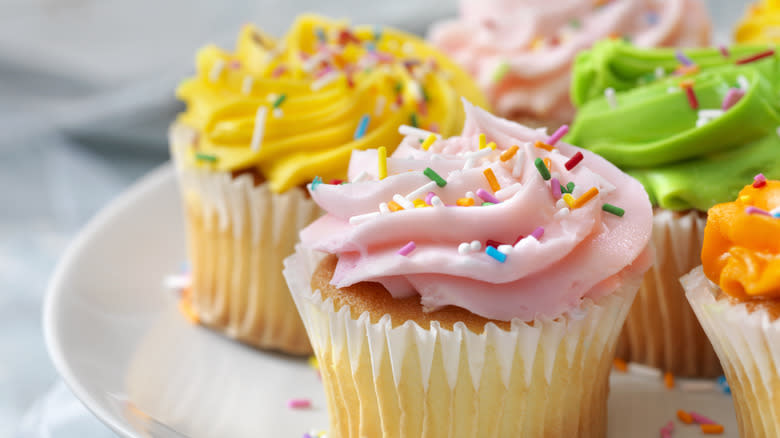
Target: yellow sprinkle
pixel 569 200
pixel 394 206
pixel 382 160
pixel 428 142
pixel 548 163
pixel 491 179
pixel 543 145
pixel 509 153
pixel 482 141
pixel 465 202
pixel 746 199
pixel 185 307
pixel 419 203
pixel 314 363
pixel 587 196
pixel 537 43
pixel 492 145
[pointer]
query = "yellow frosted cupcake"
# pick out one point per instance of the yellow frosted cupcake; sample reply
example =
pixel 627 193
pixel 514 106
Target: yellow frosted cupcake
pixel 736 296
pixel 761 23
pixel 471 286
pixel 263 120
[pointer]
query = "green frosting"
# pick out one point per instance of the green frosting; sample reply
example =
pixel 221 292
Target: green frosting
pixel 652 132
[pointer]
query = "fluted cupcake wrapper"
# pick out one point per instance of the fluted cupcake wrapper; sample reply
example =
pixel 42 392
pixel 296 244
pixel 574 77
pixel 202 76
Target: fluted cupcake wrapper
pixel 547 378
pixel 661 329
pixel 238 235
pixel 748 345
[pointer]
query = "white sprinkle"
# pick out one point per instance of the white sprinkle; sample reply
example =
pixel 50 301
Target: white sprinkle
pixel 359 219
pixel 562 213
pixel 416 91
pixel 697 386
pixel 259 129
pixel 178 282
pixel 325 80
pixel 380 105
pixel 508 191
pixel 643 370
pixel 710 113
pixel 778 131
pixel 435 157
pixel 472 196
pixel 406 130
pixel 271 97
pixel 476 245
pixel 701 122
pixel 743 82
pixel 464 248
pixel 561 204
pixel 437 202
pixel 216 70
pixel 246 85
pixel 505 249
pixel 278 113
pixel 408 47
pixel 672 90
pixel 383 208
pixel 403 202
pixel 422 190
pixel 525 241
pixel 315 59
pixel 555 175
pixel 609 93
pixel 482 153
pixel 660 72
pixel 364 176
pixel 469 164
pixel 517 171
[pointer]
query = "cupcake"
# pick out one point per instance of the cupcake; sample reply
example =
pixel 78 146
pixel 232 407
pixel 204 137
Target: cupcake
pixel 472 285
pixel 521 52
pixel 691 126
pixel 761 23
pixel 735 293
pixel 263 120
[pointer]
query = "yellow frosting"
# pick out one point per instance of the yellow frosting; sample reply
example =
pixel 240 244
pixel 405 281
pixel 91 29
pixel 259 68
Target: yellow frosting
pixel 761 23
pixel 310 123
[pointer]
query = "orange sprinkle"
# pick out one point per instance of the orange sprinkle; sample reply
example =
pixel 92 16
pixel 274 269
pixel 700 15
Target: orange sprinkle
pixel 669 380
pixel 548 163
pixel 491 179
pixel 394 206
pixel 686 84
pixel 686 70
pixel 684 417
pixel 509 153
pixel 543 145
pixel 465 202
pixel 712 429
pixel 620 365
pixel 185 307
pixel 587 196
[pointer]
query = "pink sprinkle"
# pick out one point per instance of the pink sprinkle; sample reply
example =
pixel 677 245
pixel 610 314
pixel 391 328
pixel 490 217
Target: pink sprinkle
pixel 299 403
pixel 732 97
pixel 555 186
pixel 669 426
pixel 759 180
pixel 538 233
pixel 724 51
pixel 434 127
pixel 563 130
pixel 323 71
pixel 701 419
pixel 487 197
pixel 666 431
pixel 278 71
pixel 429 198
pixel 235 64
pixel 409 247
pixel 756 210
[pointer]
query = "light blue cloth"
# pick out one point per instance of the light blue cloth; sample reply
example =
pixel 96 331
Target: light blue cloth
pixel 86 94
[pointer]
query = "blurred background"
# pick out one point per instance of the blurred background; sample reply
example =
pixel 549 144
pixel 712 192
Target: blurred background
pixel 86 94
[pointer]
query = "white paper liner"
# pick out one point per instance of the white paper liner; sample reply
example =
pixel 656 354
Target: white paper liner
pixel 748 345
pixel 238 235
pixel 547 378
pixel 661 330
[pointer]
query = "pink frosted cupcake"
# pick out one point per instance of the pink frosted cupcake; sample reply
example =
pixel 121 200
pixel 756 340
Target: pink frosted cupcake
pixel 521 51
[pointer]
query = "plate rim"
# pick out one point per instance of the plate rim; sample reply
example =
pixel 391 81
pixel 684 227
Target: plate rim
pixel 55 292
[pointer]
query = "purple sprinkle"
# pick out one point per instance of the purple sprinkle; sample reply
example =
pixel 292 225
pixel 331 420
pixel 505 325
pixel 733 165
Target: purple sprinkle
pixel 732 97
pixel 555 186
pixel 538 233
pixel 684 60
pixel 487 197
pixel 563 130
pixel 756 210
pixel 758 179
pixel 429 197
pixel 235 64
pixel 724 51
pixel 409 247
pixel 701 419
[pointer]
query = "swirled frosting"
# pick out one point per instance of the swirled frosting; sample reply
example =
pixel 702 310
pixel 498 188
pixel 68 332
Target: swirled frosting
pixel 521 51
pixel 297 107
pixel 761 23
pixel 490 231
pixel 742 242
pixel 691 137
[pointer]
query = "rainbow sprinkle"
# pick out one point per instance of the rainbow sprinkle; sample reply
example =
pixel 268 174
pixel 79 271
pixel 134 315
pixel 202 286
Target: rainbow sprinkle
pixel 684 60
pixel 759 181
pixel 500 71
pixel 409 247
pixel 382 162
pixel 732 97
pixel 690 94
pixel 509 153
pixel 482 141
pixel 537 233
pixel 487 197
pixel 315 182
pixel 543 170
pixel 756 57
pixel 394 206
pixel 617 211
pixel 723 385
pixel 205 157
pixel 464 202
pixel 279 100
pixel 299 403
pixel 563 130
pixel 574 160
pixel 428 142
pixel 701 419
pixel 496 254
pixel 555 187
pixel 362 126
pixel 587 196
pixel 429 198
pixel 755 210
pixel 542 145
pixel 435 177
pixel 491 179
pixel 724 51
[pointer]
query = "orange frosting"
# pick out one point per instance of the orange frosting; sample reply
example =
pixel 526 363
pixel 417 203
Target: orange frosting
pixel 742 250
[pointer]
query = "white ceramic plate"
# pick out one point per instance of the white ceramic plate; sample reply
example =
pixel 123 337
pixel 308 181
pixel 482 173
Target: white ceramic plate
pixel 115 335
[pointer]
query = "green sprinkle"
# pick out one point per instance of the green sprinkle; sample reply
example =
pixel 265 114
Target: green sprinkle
pixel 486 204
pixel 279 100
pixel 570 187
pixel 206 157
pixel 617 211
pixel 543 170
pixel 398 87
pixel 430 173
pixel 500 71
pixel 575 23
pixel 426 97
pixel 377 33
pixel 627 38
pixel 413 120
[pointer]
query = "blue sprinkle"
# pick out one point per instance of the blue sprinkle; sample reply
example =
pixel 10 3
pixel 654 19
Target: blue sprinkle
pixel 776 214
pixel 317 181
pixel 652 18
pixel 371 47
pixel 723 384
pixel 377 33
pixel 320 34
pixel 496 254
pixel 362 125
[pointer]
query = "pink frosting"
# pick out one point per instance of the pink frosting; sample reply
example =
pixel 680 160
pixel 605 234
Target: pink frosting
pixel 492 33
pixel 583 252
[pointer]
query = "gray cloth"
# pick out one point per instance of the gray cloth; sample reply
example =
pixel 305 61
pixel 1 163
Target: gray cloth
pixel 86 94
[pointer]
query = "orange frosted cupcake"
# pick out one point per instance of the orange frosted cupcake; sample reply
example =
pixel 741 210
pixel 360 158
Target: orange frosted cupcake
pixel 736 296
